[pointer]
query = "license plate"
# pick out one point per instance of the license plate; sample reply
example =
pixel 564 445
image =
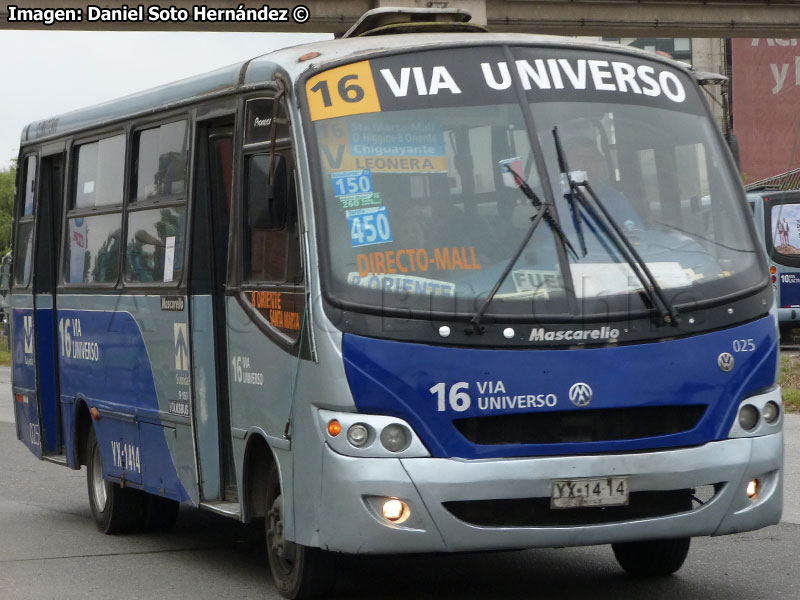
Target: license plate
pixel 577 493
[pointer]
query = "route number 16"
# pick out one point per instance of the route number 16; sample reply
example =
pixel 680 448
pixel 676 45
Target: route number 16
pixel 349 92
pixel 342 91
pixel 458 397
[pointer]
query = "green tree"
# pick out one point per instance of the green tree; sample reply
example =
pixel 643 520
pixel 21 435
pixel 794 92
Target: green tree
pixel 7 180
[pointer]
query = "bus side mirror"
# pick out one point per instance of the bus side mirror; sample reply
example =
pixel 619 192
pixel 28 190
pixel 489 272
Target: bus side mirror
pixel 266 200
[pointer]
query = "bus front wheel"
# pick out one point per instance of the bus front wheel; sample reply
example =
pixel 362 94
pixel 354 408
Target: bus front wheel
pixel 652 558
pixel 298 571
pixel 115 509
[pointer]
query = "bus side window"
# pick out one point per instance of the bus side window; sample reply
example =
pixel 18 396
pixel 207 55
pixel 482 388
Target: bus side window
pixel 94 220
pixel 272 245
pixel 156 232
pixel 23 246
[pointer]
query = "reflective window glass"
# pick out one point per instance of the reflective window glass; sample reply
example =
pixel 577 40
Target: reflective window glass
pixel 30 182
pixel 785 229
pixel 161 162
pixel 101 168
pixel 23 253
pixel 272 239
pixel 93 248
pixel 260 124
pixel 154 249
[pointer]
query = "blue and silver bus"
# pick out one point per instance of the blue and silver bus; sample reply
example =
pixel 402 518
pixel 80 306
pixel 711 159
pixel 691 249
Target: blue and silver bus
pixel 405 293
pixel 777 218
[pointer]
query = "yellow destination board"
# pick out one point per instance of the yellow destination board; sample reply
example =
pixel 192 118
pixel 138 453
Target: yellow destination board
pixel 345 90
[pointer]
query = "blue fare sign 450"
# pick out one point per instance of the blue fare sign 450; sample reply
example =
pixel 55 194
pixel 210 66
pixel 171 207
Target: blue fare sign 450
pixel 369 226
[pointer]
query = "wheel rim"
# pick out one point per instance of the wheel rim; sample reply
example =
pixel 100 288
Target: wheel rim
pixel 283 554
pixel 98 484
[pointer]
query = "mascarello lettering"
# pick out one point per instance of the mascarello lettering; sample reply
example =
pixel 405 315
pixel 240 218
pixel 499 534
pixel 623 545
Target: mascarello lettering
pixel 579 335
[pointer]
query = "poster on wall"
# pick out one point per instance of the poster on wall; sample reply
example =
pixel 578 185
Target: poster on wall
pixel 765 82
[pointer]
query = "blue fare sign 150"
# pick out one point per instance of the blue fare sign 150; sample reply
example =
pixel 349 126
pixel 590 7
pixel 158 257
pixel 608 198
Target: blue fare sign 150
pixel 352 182
pixel 369 226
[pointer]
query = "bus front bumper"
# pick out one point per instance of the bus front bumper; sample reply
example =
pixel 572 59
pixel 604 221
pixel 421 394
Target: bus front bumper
pixel 354 490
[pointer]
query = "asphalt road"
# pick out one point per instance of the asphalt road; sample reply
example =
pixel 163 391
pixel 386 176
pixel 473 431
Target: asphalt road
pixel 50 549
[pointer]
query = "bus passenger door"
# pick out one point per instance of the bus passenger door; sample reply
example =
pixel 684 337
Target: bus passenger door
pixel 44 437
pixel 209 264
pixel 265 304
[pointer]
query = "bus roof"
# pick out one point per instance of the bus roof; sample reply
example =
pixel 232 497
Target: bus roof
pixel 287 60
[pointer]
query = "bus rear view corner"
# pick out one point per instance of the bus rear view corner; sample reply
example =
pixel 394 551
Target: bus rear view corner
pixel 776 214
pixel 413 293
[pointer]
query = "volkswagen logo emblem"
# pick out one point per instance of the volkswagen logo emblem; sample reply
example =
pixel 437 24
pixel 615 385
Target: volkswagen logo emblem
pixel 725 361
pixel 580 394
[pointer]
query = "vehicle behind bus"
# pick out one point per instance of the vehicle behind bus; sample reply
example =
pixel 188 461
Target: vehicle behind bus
pixel 777 218
pixel 430 292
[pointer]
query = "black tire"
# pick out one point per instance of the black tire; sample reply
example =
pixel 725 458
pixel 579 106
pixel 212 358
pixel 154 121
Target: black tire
pixel 787 335
pixel 115 509
pixel 652 558
pixel 158 514
pixel 299 572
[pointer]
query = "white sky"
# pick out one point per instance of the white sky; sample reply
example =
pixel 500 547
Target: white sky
pixel 46 73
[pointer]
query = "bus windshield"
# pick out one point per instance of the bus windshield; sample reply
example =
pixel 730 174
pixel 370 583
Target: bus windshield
pixel 421 210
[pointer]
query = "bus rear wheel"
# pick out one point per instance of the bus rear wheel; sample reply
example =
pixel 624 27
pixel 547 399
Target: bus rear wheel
pixel 299 571
pixel 115 509
pixel 652 558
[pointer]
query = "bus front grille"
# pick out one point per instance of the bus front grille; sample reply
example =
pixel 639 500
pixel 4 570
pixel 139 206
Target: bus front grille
pixel 562 427
pixel 536 512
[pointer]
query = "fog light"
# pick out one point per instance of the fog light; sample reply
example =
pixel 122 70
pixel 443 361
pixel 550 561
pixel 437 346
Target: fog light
pixel 395 510
pixel 395 438
pixel 771 412
pixel 752 489
pixel 358 435
pixel 748 417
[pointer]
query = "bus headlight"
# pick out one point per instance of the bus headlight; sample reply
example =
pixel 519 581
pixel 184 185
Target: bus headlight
pixel 358 435
pixel 748 417
pixel 771 412
pixel 759 415
pixel 370 436
pixel 395 437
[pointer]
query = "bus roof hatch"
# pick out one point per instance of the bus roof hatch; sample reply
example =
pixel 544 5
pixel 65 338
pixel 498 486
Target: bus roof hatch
pixel 391 20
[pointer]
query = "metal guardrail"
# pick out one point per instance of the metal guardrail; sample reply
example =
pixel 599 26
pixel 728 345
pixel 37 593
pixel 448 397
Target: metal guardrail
pixel 779 183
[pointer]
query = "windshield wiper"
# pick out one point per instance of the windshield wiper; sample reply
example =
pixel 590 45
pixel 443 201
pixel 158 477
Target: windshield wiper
pixel 542 213
pixel 538 204
pixel 573 208
pixel 609 226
